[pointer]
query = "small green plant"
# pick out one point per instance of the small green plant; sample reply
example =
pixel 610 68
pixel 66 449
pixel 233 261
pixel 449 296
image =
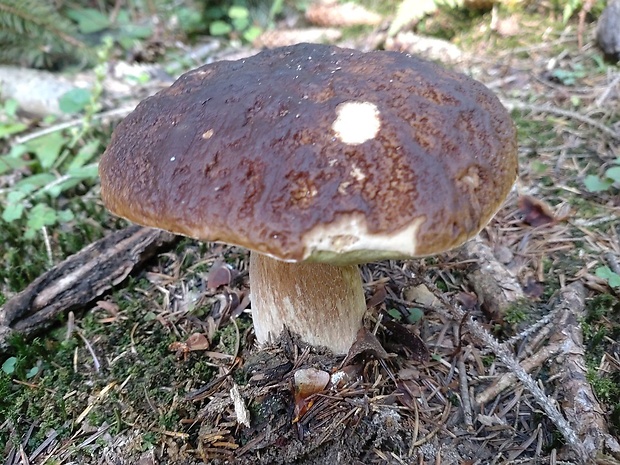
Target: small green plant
pixel 570 77
pixel 236 21
pixel 123 29
pixel 611 178
pixel 9 365
pixel 52 164
pixel 36 33
pixel 570 7
pixel 516 314
pixel 612 278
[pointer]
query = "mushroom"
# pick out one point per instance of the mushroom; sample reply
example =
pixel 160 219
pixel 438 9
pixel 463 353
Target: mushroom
pixel 317 159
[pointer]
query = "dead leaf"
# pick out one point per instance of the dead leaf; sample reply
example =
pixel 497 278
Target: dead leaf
pixel 241 411
pixel 421 295
pixel 347 375
pixel 110 307
pixel 220 274
pixel 400 335
pixel 535 212
pixel 468 300
pixel 408 391
pixel 366 342
pixel 378 297
pixel 195 341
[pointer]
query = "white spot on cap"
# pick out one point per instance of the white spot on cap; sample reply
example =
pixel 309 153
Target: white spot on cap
pixel 356 122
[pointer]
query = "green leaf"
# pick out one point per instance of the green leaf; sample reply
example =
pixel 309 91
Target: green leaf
pixel 56 189
pixel 12 212
pixel 34 182
pixel 190 20
pixel 89 20
pixel 15 196
pixel 41 215
pixel 9 365
pixel 10 107
pixel 64 216
pixel 606 273
pixel 219 28
pixel 595 184
pixel 17 150
pixel 394 313
pixel 415 315
pixel 85 172
pixel 137 32
pixel 252 33
pixel 32 372
pixel 276 8
pixel 409 11
pixel 7 130
pixel 47 148
pixel 74 101
pixel 84 155
pixel 214 12
pixel 240 24
pixel 126 42
pixel 238 12
pixel 613 173
pixel 569 9
pixel 8 163
pixel 30 234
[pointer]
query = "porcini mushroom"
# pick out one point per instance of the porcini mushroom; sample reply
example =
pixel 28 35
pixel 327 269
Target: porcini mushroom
pixel 317 159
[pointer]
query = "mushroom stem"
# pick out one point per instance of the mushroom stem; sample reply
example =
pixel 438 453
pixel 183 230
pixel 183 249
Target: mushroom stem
pixel 324 304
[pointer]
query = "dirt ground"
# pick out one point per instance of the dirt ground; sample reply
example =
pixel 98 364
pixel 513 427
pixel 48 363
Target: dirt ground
pixel 441 373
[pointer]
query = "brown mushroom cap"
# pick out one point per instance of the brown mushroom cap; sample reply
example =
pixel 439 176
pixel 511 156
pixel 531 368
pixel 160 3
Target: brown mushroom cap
pixel 313 152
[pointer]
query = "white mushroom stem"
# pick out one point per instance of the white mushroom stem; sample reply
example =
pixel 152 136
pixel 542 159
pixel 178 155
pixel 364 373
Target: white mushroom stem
pixel 324 304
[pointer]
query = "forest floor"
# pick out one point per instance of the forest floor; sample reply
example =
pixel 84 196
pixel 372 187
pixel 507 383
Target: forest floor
pixel 159 369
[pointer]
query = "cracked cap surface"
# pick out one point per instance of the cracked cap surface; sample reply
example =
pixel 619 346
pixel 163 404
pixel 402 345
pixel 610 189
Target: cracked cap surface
pixel 314 152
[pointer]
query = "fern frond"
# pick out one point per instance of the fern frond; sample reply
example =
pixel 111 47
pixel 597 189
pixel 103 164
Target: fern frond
pixel 34 33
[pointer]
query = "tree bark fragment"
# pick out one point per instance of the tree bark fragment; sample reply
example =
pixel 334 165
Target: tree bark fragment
pixel 579 402
pixel 78 280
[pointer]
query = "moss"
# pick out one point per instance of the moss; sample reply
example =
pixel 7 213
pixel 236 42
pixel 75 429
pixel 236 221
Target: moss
pixel 516 314
pixel 227 338
pixel 601 327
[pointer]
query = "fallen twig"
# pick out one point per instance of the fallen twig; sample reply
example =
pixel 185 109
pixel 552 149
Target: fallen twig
pixel 547 404
pixel 516 105
pixel 117 113
pixel 508 379
pixel 495 285
pixel 579 401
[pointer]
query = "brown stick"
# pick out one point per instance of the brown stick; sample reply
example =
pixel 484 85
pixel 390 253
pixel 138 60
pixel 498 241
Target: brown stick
pixel 495 285
pixel 79 280
pixel 581 407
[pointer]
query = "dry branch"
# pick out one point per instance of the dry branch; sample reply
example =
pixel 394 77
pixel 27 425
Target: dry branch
pixel 579 403
pixel 494 284
pixel 509 360
pixel 522 106
pixel 79 280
